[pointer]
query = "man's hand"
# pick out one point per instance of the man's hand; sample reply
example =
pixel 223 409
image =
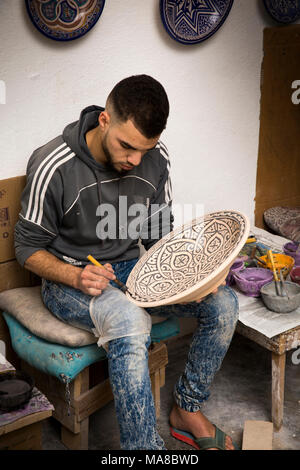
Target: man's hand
pixel 93 279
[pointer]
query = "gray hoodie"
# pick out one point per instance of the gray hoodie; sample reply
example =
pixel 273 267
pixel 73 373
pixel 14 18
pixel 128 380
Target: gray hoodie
pixel 69 199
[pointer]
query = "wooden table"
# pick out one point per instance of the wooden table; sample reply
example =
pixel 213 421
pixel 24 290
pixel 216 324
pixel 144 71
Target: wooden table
pixel 278 345
pixel 22 429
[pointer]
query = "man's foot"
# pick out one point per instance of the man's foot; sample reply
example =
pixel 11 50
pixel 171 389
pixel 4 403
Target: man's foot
pixel 196 424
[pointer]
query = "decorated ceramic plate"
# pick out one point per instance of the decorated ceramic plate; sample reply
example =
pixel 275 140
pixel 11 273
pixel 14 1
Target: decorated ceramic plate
pixel 189 262
pixel 193 21
pixel 284 11
pixel 64 20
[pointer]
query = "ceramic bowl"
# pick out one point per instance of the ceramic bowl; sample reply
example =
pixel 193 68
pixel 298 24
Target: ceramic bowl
pixel 277 303
pixel 295 274
pixel 189 262
pixel 15 389
pixel 290 249
pixel 282 263
pixel 237 266
pixel 251 280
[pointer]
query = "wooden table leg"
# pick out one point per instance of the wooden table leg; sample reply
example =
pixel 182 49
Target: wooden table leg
pixel 278 376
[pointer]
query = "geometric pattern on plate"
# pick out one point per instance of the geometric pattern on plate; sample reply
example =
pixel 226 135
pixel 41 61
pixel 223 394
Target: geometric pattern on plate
pixel 193 21
pixel 187 256
pixel 64 20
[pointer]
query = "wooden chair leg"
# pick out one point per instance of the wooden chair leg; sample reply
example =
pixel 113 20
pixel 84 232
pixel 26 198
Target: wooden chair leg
pixel 162 376
pixel 155 383
pixel 278 376
pixel 79 441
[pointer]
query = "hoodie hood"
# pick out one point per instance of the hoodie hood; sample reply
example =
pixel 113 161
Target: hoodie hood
pixel 74 135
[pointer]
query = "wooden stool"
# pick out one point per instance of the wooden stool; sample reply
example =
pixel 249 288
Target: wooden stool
pixel 25 433
pixel 75 402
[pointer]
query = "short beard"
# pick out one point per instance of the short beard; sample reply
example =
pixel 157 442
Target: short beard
pixel 109 160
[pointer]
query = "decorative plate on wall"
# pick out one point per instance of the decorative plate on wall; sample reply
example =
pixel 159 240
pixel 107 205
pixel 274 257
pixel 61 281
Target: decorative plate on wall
pixel 284 11
pixel 193 21
pixel 64 20
pixel 189 262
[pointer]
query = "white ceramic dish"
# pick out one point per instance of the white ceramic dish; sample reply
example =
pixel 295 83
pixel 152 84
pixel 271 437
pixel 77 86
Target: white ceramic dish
pixel 190 262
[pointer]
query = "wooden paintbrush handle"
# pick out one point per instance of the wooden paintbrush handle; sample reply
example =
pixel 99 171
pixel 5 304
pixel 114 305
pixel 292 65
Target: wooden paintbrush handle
pixel 270 254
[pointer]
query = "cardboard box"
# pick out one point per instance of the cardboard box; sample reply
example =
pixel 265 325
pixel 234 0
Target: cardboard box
pixel 258 435
pixel 10 196
pixel 12 275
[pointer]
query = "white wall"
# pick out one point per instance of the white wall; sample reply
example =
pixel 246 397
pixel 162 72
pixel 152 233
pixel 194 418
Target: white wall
pixel 213 87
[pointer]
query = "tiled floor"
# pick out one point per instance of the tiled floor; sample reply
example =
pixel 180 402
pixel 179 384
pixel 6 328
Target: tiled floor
pixel 241 391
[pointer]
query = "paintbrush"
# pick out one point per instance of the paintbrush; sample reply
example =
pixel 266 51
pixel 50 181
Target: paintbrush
pixel 270 256
pixel 122 286
pixel 260 260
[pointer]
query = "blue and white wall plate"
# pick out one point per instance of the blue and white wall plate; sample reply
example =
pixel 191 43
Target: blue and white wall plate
pixel 283 11
pixel 193 21
pixel 64 20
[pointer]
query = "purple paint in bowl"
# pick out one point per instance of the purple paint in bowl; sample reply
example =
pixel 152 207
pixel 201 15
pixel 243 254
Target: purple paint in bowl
pixel 237 266
pixel 290 249
pixel 251 280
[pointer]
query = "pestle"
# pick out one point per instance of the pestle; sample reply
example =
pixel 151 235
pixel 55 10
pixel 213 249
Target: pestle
pixel 283 286
pixel 270 256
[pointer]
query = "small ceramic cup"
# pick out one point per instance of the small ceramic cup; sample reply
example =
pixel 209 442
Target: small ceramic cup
pixel 290 249
pixel 295 274
pixel 237 266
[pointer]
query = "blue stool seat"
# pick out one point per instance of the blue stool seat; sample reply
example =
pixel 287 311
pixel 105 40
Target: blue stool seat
pixel 65 362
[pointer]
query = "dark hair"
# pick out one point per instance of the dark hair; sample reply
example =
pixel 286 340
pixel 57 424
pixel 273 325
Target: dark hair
pixel 142 99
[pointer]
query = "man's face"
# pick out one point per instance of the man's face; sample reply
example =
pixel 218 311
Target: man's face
pixel 124 146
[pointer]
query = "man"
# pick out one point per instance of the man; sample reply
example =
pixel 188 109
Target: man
pixel 109 155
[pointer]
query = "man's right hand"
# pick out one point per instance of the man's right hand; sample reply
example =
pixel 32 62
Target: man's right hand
pixel 94 279
pixel 91 280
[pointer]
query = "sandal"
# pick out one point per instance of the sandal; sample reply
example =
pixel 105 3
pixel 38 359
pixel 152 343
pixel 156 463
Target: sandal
pixel 202 443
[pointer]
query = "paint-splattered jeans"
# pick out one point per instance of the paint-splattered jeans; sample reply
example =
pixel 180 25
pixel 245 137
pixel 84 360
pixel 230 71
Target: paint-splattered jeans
pixel 128 354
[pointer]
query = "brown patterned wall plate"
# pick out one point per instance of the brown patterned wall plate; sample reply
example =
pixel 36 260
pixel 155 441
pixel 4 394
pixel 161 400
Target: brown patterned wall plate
pixel 189 262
